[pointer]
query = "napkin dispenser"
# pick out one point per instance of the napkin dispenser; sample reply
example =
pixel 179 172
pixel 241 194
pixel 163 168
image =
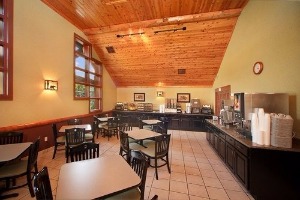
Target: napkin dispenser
pixel 119 106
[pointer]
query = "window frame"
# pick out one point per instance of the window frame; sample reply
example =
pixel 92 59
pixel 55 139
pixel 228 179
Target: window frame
pixel 86 69
pixel 7 45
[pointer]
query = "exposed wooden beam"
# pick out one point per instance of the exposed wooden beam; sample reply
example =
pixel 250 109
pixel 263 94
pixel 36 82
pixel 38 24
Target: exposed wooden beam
pixel 165 21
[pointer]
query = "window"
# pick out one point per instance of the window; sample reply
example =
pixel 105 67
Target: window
pixel 6 56
pixel 87 75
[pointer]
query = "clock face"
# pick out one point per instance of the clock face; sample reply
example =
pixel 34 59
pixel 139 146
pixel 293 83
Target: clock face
pixel 258 67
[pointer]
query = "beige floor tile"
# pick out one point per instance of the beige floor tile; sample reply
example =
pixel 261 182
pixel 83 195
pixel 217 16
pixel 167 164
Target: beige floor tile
pixel 162 194
pixel 225 175
pixel 220 168
pixel 202 160
pixel 178 177
pixel 177 162
pixel 192 171
pixel 194 179
pixel 217 193
pixel 178 196
pixel 161 184
pixel 212 182
pixel 177 168
pixel 197 198
pixel 189 158
pixel 192 164
pixel 208 173
pixel 236 195
pixel 204 166
pixel 180 187
pixel 231 185
pixel 197 190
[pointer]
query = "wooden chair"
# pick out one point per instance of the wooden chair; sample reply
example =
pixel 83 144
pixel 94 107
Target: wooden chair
pixel 158 150
pixel 22 168
pixel 74 136
pixel 58 140
pixel 140 165
pixel 74 122
pixel 111 128
pixel 126 146
pixel 90 136
pixel 42 186
pixel 84 151
pixel 11 137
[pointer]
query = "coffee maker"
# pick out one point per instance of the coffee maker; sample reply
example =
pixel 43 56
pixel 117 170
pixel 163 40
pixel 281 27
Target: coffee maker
pixel 195 106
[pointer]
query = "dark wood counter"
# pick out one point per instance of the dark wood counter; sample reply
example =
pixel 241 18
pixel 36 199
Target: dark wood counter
pixel 267 172
pixel 177 121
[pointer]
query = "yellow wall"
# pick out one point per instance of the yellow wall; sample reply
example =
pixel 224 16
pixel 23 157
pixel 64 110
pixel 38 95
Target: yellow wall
pixel 43 49
pixel 267 31
pixel 204 94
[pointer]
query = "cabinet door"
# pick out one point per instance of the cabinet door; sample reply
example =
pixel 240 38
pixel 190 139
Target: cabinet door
pixel 222 148
pixel 185 124
pixel 175 123
pixel 216 143
pixel 241 168
pixel 198 124
pixel 207 136
pixel 230 154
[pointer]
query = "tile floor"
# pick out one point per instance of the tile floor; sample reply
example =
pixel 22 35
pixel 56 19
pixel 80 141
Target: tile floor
pixel 197 171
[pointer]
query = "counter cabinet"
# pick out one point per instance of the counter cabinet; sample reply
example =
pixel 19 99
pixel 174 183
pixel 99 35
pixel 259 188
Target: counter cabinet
pixel 266 172
pixel 176 121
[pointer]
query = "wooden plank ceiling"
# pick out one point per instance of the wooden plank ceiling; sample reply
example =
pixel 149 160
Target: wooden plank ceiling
pixel 154 57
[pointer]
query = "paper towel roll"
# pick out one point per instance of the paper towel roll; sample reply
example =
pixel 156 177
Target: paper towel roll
pixel 254 127
pixel 267 129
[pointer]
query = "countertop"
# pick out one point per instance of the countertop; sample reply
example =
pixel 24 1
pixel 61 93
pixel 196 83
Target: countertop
pixel 165 113
pixel 231 131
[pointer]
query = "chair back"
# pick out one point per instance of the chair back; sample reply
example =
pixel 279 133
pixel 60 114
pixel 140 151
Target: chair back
pixel 33 155
pixel 140 165
pixel 74 122
pixel 84 151
pixel 125 127
pixel 112 123
pixel 11 137
pixel 124 142
pixel 42 186
pixel 75 136
pixel 162 143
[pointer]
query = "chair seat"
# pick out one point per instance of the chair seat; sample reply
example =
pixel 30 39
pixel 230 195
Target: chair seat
pixel 136 146
pixel 89 136
pixel 131 194
pixel 61 139
pixel 148 142
pixel 150 150
pixel 14 169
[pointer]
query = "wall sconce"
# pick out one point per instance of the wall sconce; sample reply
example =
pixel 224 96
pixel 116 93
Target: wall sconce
pixel 160 93
pixel 51 85
pixel 131 34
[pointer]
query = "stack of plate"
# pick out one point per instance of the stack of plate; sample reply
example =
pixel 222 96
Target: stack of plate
pixel 281 130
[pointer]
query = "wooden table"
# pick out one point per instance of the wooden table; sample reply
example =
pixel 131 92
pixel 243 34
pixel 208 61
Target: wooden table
pixel 95 178
pixel 142 134
pixel 151 121
pixel 10 152
pixel 87 127
pixel 104 119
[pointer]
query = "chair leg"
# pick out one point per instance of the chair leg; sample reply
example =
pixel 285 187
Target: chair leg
pixel 156 174
pixel 167 157
pixel 55 148
pixel 29 183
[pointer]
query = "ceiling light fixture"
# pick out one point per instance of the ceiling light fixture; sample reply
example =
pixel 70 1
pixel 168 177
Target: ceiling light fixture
pixel 130 34
pixel 171 30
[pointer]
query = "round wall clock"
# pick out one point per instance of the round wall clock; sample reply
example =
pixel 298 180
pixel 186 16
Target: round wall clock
pixel 258 67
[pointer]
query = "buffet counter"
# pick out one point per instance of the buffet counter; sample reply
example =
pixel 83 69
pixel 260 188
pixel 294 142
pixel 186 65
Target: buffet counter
pixel 267 172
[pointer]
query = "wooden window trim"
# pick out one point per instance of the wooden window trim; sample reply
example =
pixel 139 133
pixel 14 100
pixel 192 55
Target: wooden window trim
pixel 8 50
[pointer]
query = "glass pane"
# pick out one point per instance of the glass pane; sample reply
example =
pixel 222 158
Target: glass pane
pixel 80 76
pixel 1 83
pixel 95 92
pixel 79 47
pixel 1 57
pixel 95 68
pixel 94 104
pixel 80 90
pixel 95 80
pixel 1 7
pixel 1 30
pixel 80 62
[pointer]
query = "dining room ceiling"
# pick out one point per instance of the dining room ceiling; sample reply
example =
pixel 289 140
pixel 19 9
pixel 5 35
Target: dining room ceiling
pixel 156 43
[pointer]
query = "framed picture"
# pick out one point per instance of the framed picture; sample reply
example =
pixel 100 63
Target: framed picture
pixel 139 97
pixel 183 97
